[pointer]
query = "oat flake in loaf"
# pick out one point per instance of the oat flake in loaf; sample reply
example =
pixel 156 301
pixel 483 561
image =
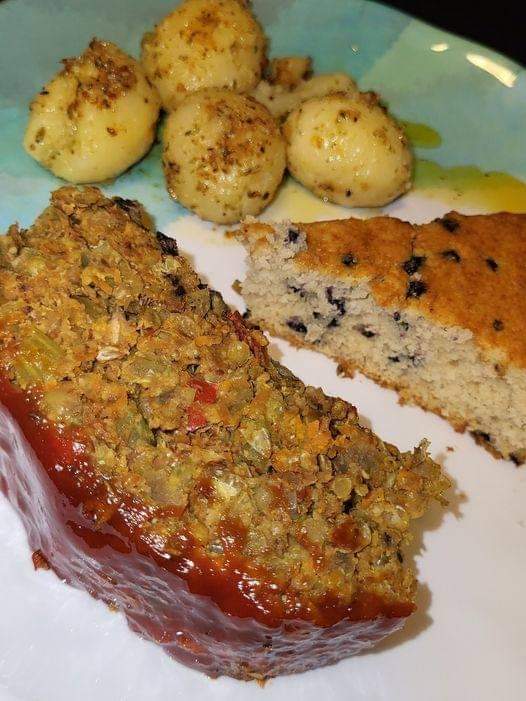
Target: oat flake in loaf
pixel 241 519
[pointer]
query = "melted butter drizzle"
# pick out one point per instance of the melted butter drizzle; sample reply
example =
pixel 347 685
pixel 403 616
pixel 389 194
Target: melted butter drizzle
pixel 465 185
pixel 469 186
pixel 421 135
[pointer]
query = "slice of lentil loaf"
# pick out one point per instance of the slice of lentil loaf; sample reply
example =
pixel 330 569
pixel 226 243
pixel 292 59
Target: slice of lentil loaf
pixel 160 459
pixel 437 311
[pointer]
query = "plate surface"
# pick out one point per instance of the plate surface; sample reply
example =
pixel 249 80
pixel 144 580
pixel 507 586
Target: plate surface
pixel 468 638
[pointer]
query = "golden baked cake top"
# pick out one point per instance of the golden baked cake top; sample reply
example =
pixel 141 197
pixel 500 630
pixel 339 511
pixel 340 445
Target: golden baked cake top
pixel 459 270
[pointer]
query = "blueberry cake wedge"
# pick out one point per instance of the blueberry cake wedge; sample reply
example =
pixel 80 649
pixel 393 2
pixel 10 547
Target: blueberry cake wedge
pixel 159 459
pixel 435 311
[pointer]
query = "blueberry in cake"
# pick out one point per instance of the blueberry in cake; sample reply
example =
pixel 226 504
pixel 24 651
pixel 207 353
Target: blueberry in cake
pixel 437 311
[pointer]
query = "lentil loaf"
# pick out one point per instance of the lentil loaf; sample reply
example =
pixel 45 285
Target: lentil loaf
pixel 435 311
pixel 162 461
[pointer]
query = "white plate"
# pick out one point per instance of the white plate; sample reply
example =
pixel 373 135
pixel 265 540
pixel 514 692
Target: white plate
pixel 467 640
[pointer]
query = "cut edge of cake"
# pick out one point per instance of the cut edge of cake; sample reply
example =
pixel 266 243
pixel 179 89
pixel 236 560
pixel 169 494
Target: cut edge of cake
pixel 363 293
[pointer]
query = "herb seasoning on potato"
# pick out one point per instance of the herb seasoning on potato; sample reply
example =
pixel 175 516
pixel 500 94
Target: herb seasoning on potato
pixel 281 93
pixel 224 155
pixel 204 44
pixel 347 149
pixel 95 118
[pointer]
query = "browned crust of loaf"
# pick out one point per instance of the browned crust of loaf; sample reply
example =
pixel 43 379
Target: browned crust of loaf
pixel 223 609
pixel 469 270
pixel 348 369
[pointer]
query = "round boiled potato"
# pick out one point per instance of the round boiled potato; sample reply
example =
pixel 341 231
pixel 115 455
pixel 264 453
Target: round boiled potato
pixel 224 155
pixel 347 149
pixel 204 44
pixel 95 118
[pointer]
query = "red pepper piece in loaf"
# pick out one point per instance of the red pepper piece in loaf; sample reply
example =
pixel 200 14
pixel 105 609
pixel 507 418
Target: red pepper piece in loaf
pixel 162 461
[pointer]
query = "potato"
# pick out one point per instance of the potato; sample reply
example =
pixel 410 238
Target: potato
pixel 289 71
pixel 280 99
pixel 95 118
pixel 224 155
pixel 204 44
pixel 348 150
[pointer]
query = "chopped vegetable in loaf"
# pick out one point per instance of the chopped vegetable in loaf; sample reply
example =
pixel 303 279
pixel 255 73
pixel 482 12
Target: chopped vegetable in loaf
pixel 112 333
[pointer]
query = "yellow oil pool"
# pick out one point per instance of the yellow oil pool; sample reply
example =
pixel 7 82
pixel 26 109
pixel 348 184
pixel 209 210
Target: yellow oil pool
pixel 469 186
pixel 421 135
